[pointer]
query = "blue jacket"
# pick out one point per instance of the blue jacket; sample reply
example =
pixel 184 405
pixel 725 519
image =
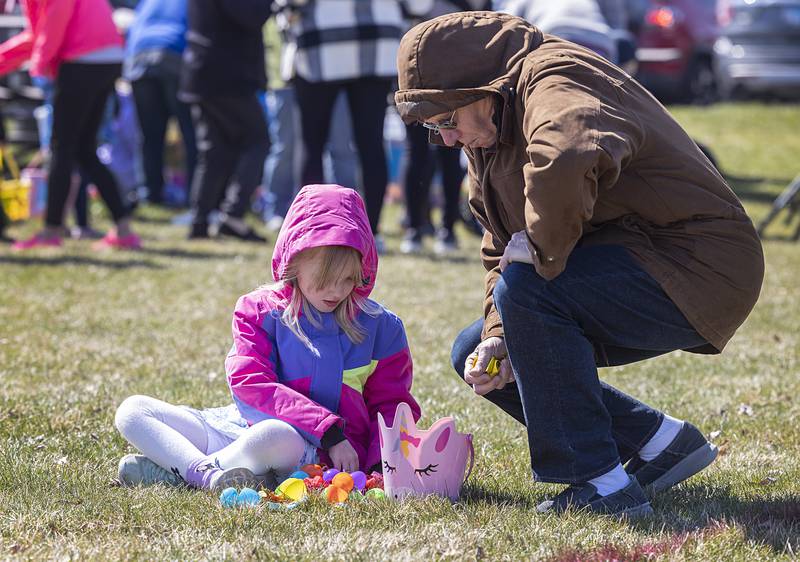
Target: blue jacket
pixel 159 25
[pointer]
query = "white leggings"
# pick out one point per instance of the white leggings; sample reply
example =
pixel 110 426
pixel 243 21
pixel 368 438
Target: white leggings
pixel 173 437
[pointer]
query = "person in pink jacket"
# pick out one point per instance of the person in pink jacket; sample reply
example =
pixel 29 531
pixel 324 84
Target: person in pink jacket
pixel 76 43
pixel 313 363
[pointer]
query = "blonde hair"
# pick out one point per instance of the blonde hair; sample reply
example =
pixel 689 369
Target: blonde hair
pixel 335 262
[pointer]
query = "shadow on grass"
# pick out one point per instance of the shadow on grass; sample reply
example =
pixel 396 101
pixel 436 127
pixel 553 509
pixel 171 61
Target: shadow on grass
pixel 430 256
pixel 78 260
pixel 747 187
pixel 473 494
pixel 196 254
pixel 772 521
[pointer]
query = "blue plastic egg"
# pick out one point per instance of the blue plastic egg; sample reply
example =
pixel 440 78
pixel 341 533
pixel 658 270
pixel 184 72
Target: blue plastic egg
pixel 228 497
pixel 299 474
pixel 248 497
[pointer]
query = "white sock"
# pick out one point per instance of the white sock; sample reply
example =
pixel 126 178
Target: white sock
pixel 667 431
pixel 612 481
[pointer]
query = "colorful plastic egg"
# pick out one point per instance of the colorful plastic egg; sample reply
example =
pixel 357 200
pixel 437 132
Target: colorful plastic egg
pixel 355 496
pixel 299 474
pixel 329 474
pixel 375 494
pixel 248 497
pixel 228 497
pixel 292 488
pixel 335 494
pixel 312 470
pixel 359 479
pixel 344 481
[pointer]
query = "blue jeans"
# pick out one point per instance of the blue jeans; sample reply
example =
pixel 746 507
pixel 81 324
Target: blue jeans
pixel 603 310
pixel 282 166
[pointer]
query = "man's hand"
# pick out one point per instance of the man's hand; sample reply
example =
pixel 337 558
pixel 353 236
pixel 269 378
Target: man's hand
pixel 477 362
pixel 343 456
pixel 517 249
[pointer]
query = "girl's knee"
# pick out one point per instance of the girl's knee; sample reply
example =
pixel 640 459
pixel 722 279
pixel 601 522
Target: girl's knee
pixel 277 443
pixel 131 409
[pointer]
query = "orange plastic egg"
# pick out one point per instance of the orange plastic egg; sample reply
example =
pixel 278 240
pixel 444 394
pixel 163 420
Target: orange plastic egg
pixel 312 470
pixel 335 494
pixel 344 481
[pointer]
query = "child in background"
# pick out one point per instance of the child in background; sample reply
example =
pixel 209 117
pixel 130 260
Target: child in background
pixel 77 44
pixel 313 362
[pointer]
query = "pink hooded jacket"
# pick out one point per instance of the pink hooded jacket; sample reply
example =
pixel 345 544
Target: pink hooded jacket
pixel 273 375
pixel 60 30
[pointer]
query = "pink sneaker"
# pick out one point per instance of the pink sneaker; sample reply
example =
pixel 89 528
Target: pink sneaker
pixel 112 242
pixel 37 241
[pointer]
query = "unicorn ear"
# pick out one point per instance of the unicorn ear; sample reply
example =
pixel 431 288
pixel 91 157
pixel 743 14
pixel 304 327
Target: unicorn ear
pixel 382 423
pixel 403 416
pixel 439 434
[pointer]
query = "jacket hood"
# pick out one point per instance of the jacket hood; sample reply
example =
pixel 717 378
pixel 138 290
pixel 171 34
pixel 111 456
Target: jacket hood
pixel 327 215
pixel 456 59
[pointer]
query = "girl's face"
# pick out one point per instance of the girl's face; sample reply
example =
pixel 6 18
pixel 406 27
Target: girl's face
pixel 327 298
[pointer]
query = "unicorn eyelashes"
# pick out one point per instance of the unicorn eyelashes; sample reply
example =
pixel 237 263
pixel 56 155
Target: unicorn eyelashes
pixel 418 462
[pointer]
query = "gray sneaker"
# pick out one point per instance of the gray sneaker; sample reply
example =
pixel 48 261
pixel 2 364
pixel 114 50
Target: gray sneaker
pixel 138 470
pixel 688 454
pixel 628 502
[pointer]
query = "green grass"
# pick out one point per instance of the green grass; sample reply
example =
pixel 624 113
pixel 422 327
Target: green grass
pixel 81 331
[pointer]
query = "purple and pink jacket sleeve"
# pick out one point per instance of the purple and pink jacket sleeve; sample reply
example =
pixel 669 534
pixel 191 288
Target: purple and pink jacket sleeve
pixel 388 386
pixel 251 373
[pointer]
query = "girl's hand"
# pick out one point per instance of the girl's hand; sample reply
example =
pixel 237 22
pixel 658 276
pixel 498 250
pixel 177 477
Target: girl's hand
pixel 343 456
pixel 477 362
pixel 517 249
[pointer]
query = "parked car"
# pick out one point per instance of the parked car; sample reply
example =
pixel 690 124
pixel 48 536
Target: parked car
pixel 758 51
pixel 18 96
pixel 675 41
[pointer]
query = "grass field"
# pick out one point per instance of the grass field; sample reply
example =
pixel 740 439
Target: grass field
pixel 80 331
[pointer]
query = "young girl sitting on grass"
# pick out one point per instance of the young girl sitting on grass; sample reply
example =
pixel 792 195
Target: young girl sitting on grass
pixel 313 362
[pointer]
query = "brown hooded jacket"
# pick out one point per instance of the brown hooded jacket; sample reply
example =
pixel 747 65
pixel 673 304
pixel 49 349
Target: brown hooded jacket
pixel 584 155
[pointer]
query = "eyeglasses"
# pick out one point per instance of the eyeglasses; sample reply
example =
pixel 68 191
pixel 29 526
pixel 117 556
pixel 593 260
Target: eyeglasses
pixel 446 125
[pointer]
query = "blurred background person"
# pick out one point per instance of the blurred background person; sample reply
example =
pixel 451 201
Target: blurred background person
pixel 425 158
pixel 282 166
pixel 579 21
pixel 153 59
pixel 223 72
pixel 350 46
pixel 76 43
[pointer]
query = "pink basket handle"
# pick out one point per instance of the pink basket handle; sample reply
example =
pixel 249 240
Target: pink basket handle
pixel 471 456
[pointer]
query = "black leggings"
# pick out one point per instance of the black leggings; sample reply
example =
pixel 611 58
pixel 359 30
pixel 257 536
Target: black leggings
pixel 79 101
pixel 419 174
pixel 232 142
pixel 367 100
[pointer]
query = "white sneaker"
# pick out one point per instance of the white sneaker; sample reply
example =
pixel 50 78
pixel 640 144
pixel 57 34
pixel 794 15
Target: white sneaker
pixel 412 243
pixel 138 470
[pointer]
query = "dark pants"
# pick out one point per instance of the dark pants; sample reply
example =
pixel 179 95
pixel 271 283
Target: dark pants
pixel 367 100
pixel 79 101
pixel 156 100
pixel 232 143
pixel 422 158
pixel 603 310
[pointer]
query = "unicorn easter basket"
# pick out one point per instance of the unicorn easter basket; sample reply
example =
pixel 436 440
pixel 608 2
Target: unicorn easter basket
pixel 419 462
